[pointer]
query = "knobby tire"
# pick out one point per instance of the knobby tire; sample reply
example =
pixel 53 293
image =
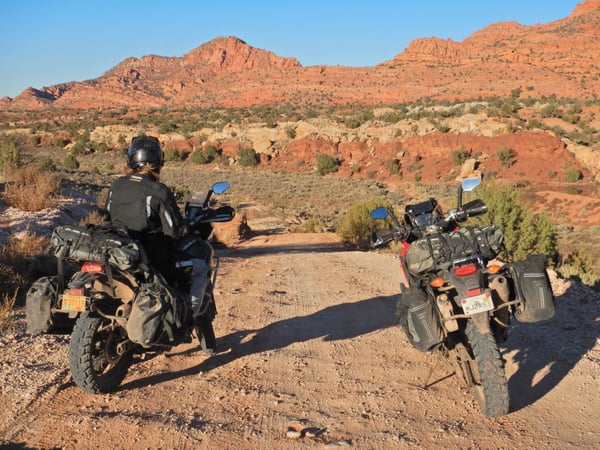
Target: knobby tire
pixel 90 367
pixel 492 394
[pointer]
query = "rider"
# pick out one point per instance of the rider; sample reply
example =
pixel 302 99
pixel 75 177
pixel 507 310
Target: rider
pixel 147 209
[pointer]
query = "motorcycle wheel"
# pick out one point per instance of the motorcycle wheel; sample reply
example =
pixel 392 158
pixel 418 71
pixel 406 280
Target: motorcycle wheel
pixel 491 390
pixel 95 365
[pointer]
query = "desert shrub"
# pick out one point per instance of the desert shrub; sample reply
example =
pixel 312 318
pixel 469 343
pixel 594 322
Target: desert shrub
pixel 312 225
pixel 172 155
pixel 393 165
pixel 7 302
pixel 290 132
pixel 94 218
pixel 47 163
pixel 506 156
pixel 352 123
pixel 460 156
pixel 30 188
pixel 70 162
pixel 525 232
pixel 357 226
pixel 247 157
pixel 326 164
pixel 572 174
pixel 18 265
pixel 580 264
pixel 200 157
pixel 9 155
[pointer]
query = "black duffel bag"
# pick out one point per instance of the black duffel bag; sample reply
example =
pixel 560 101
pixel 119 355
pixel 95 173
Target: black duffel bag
pixel 97 243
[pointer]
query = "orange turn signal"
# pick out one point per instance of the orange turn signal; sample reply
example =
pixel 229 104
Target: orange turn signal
pixel 494 268
pixel 437 282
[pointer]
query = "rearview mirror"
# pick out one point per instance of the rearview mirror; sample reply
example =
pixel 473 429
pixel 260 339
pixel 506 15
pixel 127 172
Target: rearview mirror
pixel 379 213
pixel 220 187
pixel 470 183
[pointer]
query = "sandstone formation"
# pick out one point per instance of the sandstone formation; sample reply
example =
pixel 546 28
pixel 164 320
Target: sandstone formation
pixel 559 58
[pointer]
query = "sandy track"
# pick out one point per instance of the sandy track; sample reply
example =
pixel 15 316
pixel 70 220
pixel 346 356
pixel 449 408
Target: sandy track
pixel 310 358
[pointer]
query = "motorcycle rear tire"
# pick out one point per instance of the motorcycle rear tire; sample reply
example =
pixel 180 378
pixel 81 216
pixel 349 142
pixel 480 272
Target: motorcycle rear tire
pixel 491 392
pixel 95 366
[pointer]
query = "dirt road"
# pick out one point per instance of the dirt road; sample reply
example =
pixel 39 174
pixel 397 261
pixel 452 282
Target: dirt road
pixel 309 358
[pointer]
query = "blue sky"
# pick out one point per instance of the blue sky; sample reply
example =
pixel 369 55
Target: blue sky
pixel 46 42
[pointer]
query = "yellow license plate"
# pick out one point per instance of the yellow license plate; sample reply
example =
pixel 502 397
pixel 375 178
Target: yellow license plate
pixel 72 302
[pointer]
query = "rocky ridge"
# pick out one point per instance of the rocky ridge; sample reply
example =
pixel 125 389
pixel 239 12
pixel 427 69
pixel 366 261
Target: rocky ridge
pixel 557 58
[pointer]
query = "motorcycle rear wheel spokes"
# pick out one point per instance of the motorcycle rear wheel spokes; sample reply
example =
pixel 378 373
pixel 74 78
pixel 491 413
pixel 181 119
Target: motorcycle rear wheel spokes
pixel 95 364
pixel 491 392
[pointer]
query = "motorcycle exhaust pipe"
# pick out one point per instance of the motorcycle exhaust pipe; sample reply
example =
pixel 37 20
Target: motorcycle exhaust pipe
pixel 500 285
pixel 122 314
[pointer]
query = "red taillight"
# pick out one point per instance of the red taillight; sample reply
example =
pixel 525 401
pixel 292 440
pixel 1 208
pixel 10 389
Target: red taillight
pixel 75 291
pixel 473 292
pixel 92 267
pixel 463 271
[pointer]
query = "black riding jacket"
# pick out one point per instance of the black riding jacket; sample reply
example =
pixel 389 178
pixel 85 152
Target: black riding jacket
pixel 148 210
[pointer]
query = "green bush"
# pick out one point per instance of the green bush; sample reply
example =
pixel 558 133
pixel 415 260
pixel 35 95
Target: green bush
pixel 525 232
pixel 247 157
pixel 9 155
pixel 460 156
pixel 290 132
pixel 357 226
pixel 572 175
pixel 200 157
pixel 580 264
pixel 172 155
pixel 70 162
pixel 326 164
pixel 393 165
pixel 506 156
pixel 46 163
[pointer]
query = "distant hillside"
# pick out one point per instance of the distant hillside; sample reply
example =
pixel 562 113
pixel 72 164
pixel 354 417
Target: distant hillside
pixel 559 58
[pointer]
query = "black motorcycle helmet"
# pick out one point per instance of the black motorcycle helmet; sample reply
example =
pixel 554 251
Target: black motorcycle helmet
pixel 145 151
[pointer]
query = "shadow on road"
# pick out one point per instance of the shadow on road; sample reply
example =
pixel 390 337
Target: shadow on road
pixel 266 249
pixel 338 322
pixel 547 351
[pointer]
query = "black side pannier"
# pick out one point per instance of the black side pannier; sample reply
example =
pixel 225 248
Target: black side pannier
pixel 533 289
pixel 96 243
pixel 41 298
pixel 159 314
pixel 416 315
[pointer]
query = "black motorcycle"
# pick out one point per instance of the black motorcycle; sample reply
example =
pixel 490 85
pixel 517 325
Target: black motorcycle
pixel 117 305
pixel 457 297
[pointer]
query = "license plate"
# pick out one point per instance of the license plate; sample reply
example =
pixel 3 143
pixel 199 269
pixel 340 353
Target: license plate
pixel 71 302
pixel 477 303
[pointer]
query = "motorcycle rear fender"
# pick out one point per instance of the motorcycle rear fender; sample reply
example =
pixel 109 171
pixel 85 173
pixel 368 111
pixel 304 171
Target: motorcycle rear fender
pixel 467 285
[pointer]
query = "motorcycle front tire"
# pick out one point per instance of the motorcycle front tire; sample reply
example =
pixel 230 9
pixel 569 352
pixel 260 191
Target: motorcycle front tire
pixel 95 365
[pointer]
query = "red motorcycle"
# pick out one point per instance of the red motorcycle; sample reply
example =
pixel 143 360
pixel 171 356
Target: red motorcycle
pixel 456 297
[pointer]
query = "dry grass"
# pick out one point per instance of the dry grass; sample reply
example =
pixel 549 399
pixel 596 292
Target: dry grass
pixel 7 303
pixel 19 262
pixel 30 188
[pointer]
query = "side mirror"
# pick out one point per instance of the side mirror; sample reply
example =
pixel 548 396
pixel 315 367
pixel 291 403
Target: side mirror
pixel 470 184
pixel 379 213
pixel 220 187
